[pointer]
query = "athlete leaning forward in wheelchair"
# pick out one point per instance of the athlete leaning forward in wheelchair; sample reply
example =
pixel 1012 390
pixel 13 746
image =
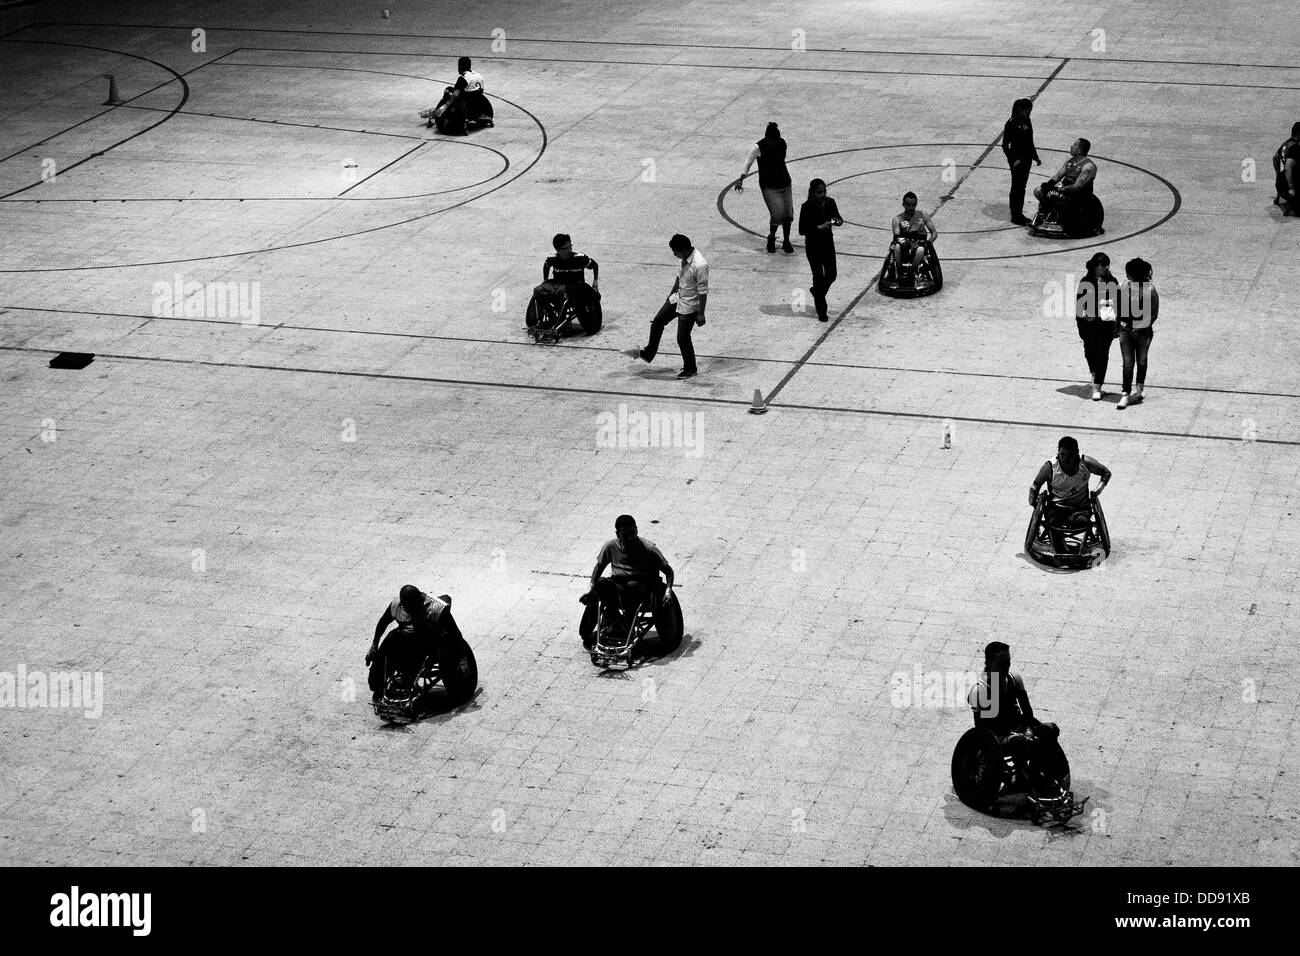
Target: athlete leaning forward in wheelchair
pixel 1068 208
pixel 631 601
pixel 463 107
pixel 1068 528
pixel 424 649
pixel 911 268
pixel 1010 755
pixel 564 295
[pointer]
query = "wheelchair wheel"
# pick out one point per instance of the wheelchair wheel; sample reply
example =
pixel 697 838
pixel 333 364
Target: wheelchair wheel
pixel 1102 530
pixel 669 626
pixel 978 769
pixel 931 265
pixel 591 317
pixel 459 671
pixel 1031 536
pixel 1052 762
pixel 531 317
pixel 590 621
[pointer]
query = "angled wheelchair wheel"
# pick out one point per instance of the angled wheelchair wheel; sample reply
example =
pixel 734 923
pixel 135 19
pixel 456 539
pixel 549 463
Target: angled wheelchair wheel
pixel 1103 531
pixel 978 770
pixel 933 267
pixel 591 317
pixel 1035 526
pixel 590 621
pixel 532 316
pixel 1051 762
pixel 459 671
pixel 669 626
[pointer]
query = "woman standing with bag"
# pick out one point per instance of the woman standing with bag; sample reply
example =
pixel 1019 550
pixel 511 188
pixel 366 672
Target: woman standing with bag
pixel 1139 307
pixel 1095 310
pixel 774 181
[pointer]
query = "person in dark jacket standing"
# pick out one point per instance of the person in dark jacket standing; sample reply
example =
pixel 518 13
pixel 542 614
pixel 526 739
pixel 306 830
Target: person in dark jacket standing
pixel 817 216
pixel 1096 309
pixel 774 181
pixel 1018 146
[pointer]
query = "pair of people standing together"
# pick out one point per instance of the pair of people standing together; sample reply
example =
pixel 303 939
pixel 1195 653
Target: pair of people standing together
pixel 818 216
pixel 1105 310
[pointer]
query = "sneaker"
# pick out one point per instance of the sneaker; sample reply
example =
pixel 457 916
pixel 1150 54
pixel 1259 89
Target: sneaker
pixel 1019 220
pixel 786 247
pixel 771 243
pixel 1096 394
pixel 687 373
pixel 1136 396
pixel 636 353
pixel 823 318
pixel 1123 402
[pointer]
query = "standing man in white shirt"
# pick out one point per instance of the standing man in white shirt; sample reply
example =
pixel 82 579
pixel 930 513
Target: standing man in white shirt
pixel 692 291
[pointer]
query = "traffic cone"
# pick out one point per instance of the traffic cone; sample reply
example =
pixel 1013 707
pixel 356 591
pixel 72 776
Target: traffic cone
pixel 758 406
pixel 114 98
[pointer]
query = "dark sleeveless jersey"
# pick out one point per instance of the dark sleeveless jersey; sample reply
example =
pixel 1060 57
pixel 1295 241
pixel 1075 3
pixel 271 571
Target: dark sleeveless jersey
pixel 772 173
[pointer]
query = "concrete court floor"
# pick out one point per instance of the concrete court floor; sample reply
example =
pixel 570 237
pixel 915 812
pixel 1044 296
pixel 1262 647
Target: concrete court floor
pixel 215 511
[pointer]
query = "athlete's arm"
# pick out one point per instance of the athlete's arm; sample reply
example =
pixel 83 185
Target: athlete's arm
pixel 753 155
pixel 1098 469
pixel 934 233
pixel 385 620
pixel 1044 474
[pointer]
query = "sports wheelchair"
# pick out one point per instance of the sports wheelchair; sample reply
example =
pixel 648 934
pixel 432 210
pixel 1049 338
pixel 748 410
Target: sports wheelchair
pixel 1058 219
pixel 452 117
pixel 910 281
pixel 550 314
pixel 983 773
pixel 405 697
pixel 612 647
pixel 1082 533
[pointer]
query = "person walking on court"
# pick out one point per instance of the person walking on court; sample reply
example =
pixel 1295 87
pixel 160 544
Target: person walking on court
pixel 692 291
pixel 1018 146
pixel 774 181
pixel 817 217
pixel 1096 307
pixel 1139 307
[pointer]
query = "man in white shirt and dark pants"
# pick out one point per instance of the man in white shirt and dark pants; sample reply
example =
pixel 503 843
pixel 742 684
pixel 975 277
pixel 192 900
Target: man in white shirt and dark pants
pixel 692 290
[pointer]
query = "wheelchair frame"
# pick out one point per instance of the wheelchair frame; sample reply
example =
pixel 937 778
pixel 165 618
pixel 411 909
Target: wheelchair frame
pixel 891 283
pixel 564 310
pixel 620 654
pixel 1088 539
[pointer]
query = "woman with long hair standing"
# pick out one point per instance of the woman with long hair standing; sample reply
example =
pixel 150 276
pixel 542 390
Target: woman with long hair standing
pixel 817 217
pixel 1139 307
pixel 774 181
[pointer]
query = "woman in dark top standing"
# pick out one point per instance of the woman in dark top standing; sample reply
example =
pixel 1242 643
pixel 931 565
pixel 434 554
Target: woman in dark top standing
pixel 1096 308
pixel 1018 145
pixel 817 217
pixel 774 181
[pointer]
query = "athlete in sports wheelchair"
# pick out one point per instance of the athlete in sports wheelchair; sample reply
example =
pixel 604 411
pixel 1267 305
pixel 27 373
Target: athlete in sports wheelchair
pixel 1010 752
pixel 911 268
pixel 424 649
pixel 464 106
pixel 622 608
pixel 564 295
pixel 1068 528
pixel 1067 206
